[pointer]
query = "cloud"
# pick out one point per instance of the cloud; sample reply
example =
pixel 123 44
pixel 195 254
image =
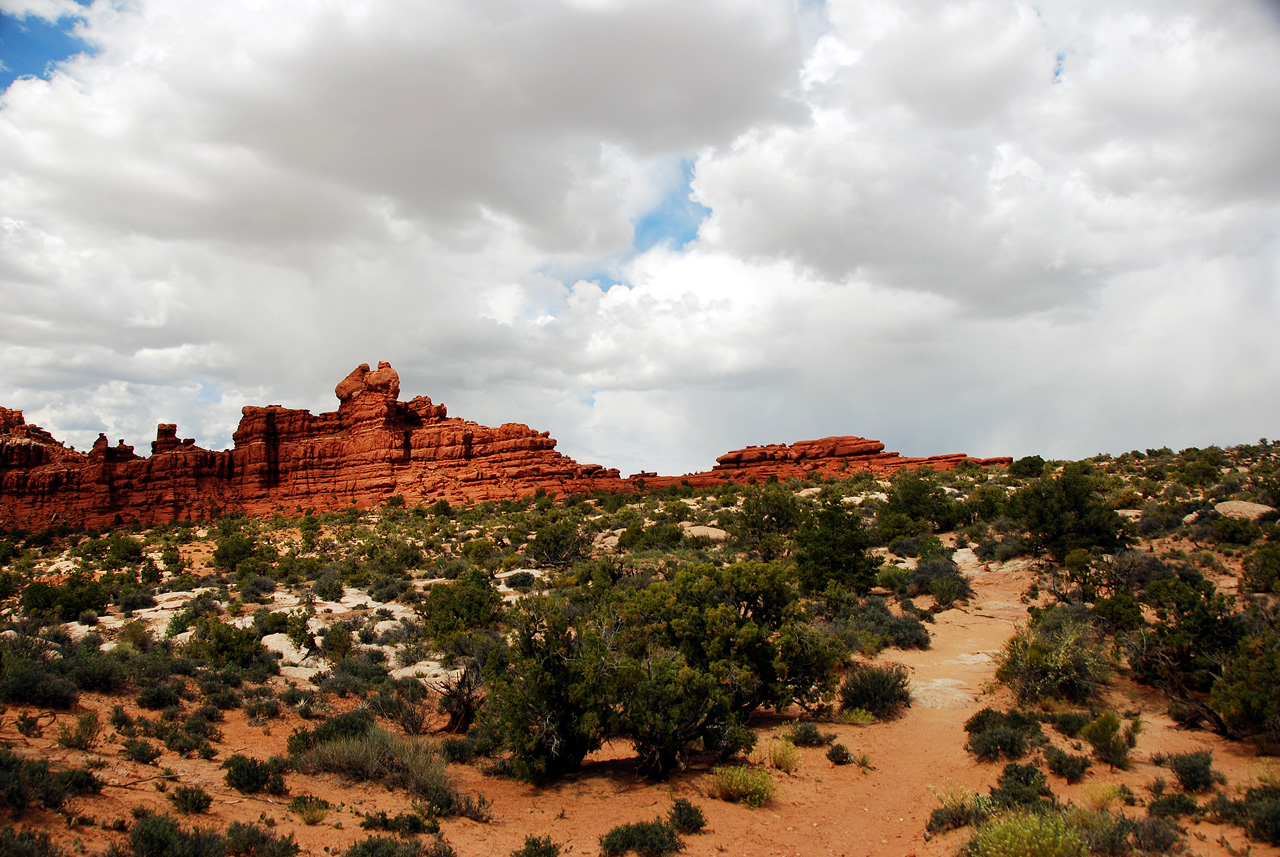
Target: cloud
pixel 1071 147
pixel 47 10
pixel 990 226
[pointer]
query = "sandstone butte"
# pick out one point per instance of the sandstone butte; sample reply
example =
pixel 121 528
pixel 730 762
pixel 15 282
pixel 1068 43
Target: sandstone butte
pixel 373 447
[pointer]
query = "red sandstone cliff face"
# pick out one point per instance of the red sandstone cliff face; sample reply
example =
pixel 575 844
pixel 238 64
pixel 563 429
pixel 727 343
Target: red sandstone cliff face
pixel 372 447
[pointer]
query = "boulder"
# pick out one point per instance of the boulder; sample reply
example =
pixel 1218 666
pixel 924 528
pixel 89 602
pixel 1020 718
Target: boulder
pixel 1243 509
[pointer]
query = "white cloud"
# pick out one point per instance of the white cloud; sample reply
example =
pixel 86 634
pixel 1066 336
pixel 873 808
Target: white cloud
pixel 990 225
pixel 49 10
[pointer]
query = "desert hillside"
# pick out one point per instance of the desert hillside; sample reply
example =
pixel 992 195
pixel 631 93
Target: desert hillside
pixel 1040 658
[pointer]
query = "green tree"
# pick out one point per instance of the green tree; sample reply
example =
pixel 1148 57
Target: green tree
pixel 1068 512
pixel 551 704
pixel 666 705
pixel 557 543
pixel 767 516
pixel 917 495
pixel 1195 633
pixel 831 547
pixel 1247 696
pixel 469 603
pixel 233 549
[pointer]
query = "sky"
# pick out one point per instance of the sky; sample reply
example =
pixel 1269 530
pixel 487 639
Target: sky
pixel 659 230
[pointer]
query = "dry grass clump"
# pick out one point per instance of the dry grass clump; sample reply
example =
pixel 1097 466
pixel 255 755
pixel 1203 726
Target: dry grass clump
pixel 745 784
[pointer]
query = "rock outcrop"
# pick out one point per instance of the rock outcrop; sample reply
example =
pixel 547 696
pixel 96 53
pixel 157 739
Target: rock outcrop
pixel 373 447
pixel 830 457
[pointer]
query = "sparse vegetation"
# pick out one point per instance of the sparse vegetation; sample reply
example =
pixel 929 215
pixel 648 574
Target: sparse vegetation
pixel 672 645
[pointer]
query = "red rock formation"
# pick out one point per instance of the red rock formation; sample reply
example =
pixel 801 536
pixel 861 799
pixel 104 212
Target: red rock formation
pixel 830 457
pixel 372 447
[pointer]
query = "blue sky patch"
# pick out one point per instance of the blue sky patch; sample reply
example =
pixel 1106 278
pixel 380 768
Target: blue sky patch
pixel 675 220
pixel 30 45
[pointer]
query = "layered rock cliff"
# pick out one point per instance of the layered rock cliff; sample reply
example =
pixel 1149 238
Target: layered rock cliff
pixel 374 446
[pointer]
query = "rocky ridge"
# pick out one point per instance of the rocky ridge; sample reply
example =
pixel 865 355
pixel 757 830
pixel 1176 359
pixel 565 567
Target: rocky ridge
pixel 373 447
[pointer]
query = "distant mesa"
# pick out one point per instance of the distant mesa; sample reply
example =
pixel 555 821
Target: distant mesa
pixel 374 446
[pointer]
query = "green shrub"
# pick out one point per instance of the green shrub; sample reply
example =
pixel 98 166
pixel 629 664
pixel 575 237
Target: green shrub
pixel 1027 468
pixel 557 544
pixel 838 754
pixel 251 776
pixel 940 578
pixel 537 846
pixel 158 696
pixel 1155 835
pixel 27 781
pixel 807 734
pixel 782 755
pixel 309 808
pixel 191 799
pixel 1102 832
pixel 77 593
pixel 1022 787
pixel 741 784
pixel 413 765
pixel 1173 805
pixel 960 807
pixel 881 690
pixel 349 724
pixel 76 781
pixel 255 587
pixel 993 734
pixel 1027 835
pixel 645 838
pixel 521 581
pixel 1069 766
pixel 1069 723
pixel 159 836
pixel 1247 695
pixel 261 708
pixel 1109 742
pixel 1058 656
pixel 998 741
pixel 684 817
pixel 386 846
pixel 831 547
pixel 140 750
pixel 1194 771
pixel 1262 570
pixel 1069 511
pixel 250 840
pixel 1262 814
pixel 859 621
pixel 404 824
pixel 85 734
pixel 458 751
pixel 25 843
